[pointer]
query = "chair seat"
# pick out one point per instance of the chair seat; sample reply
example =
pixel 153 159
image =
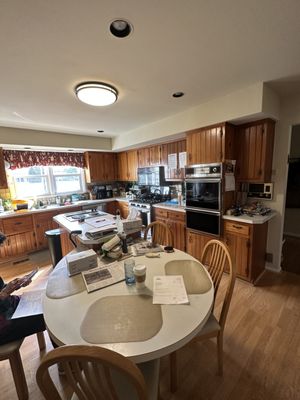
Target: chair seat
pixel 211 326
pixel 150 371
pixel 8 348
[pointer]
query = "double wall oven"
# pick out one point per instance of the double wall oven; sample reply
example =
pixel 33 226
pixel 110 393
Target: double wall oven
pixel 203 186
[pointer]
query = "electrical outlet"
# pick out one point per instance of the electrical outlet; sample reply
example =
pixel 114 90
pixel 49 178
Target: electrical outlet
pixel 269 257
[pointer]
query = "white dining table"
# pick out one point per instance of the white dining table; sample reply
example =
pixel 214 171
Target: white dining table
pixel 180 323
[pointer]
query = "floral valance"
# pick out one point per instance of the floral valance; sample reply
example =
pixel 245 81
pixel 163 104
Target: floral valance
pixel 25 159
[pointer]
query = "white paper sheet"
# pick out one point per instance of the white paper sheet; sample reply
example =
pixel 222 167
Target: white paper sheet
pixel 29 304
pixel 182 159
pixel 106 275
pixel 229 182
pixel 100 222
pixel 172 161
pixel 169 289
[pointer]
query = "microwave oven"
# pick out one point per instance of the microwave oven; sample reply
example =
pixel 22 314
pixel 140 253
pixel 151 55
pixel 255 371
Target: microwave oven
pixel 151 176
pixel 262 191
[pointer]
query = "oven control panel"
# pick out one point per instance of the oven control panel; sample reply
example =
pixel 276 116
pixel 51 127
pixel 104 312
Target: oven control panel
pixel 204 171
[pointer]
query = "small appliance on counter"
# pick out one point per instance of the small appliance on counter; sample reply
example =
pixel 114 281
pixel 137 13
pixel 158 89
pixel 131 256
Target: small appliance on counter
pixel 109 191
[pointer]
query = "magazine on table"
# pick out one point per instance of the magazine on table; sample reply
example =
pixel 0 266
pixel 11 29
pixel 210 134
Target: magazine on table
pixel 139 249
pixel 102 276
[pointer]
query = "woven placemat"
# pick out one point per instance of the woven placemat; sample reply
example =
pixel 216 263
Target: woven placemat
pixel 195 277
pixel 120 319
pixel 61 285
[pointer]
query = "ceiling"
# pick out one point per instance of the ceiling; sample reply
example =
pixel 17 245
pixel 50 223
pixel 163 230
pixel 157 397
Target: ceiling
pixel 202 48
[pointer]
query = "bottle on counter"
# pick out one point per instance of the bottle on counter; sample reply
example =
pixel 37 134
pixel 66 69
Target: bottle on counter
pixel 119 223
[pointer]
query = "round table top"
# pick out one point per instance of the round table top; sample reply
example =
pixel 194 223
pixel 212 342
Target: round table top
pixel 180 323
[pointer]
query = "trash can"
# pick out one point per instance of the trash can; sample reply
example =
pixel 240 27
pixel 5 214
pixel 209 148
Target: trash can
pixel 53 237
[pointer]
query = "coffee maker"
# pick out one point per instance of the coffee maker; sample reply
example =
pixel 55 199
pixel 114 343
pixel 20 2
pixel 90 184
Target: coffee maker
pixel 100 192
pixel 109 191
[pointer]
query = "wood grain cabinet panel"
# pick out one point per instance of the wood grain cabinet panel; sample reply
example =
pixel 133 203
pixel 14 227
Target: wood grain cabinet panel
pixel 255 143
pixel 213 144
pixel 17 224
pixel 122 166
pixel 195 243
pixel 3 178
pixel 127 165
pixel 19 244
pixel 143 155
pixel 176 222
pixel 43 222
pixel 100 167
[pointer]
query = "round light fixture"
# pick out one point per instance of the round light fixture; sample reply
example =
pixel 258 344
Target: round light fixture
pixel 120 28
pixel 178 94
pixel 96 93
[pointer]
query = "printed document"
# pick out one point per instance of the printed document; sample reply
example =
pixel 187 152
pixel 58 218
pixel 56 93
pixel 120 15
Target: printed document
pixel 105 275
pixel 30 304
pixel 169 289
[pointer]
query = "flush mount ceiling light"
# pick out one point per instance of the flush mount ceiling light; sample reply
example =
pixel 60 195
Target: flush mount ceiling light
pixel 120 28
pixel 178 94
pixel 96 93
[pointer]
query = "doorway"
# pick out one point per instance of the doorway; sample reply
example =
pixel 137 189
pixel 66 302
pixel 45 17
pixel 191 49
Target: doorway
pixel 291 230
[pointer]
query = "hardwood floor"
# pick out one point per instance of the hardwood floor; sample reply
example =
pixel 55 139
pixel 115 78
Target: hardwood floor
pixel 261 349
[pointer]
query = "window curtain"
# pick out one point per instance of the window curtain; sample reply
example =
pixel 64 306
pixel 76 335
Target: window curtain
pixel 25 159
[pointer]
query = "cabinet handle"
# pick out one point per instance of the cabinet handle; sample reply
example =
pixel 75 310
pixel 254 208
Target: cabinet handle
pixel 237 226
pixel 18 223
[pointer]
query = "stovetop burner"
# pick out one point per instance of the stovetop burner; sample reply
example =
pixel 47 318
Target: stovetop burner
pixel 151 199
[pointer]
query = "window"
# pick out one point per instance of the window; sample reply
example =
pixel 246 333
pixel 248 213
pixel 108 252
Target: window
pixel 43 181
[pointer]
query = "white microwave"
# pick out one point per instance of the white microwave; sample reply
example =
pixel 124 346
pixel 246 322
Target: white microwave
pixel 262 191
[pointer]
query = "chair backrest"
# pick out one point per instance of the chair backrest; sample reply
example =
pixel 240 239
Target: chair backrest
pixel 91 372
pixel 216 258
pixel 160 232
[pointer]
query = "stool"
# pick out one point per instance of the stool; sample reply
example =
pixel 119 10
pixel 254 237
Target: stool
pixel 11 351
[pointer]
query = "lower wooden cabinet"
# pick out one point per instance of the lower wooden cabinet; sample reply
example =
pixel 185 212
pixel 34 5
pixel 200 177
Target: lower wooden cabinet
pixel 176 222
pixel 247 245
pixel 195 243
pixel 43 222
pixel 19 244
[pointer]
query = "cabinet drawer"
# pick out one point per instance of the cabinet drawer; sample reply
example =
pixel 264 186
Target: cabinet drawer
pixel 177 216
pixel 159 212
pixel 236 227
pixel 17 224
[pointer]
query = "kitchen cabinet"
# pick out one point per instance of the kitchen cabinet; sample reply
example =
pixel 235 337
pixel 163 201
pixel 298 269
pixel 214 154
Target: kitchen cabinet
pixel 127 162
pixel 149 156
pixel 100 167
pixel 213 144
pixel 177 173
pixel 123 206
pixel 20 236
pixel 195 243
pixel 3 179
pixel 247 246
pixel 175 221
pixel 43 222
pixel 255 143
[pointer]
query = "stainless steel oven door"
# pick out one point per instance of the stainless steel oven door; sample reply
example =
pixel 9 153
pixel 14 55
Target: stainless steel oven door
pixel 204 221
pixel 203 193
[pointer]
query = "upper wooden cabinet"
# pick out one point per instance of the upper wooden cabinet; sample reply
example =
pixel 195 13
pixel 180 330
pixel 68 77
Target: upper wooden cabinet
pixel 173 148
pixel 3 179
pixel 255 142
pixel 212 144
pixel 127 165
pixel 149 156
pixel 100 167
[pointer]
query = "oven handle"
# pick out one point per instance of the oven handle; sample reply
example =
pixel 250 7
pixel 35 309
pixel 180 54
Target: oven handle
pixel 202 210
pixel 206 180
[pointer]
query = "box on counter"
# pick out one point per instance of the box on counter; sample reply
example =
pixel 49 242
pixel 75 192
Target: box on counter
pixel 81 261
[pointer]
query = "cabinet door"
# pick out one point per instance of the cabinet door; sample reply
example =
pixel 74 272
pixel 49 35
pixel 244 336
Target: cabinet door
pixel 122 166
pixel 255 151
pixel 143 157
pixel 21 243
pixel 155 155
pixel 132 163
pixel 205 145
pixel 94 163
pixel 239 247
pixel 3 179
pixel 42 223
pixel 19 224
pixel 195 243
pixel 178 230
pixel 109 165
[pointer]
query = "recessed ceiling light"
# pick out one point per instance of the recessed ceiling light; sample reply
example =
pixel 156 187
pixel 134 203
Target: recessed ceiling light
pixel 96 93
pixel 100 131
pixel 120 28
pixel 178 94
pixel 70 149
pixel 27 148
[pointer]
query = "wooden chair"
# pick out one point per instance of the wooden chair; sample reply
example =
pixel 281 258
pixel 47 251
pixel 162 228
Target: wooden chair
pixel 160 232
pixel 11 351
pixel 96 373
pixel 216 258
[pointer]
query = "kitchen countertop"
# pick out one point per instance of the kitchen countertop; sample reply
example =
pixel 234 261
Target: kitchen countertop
pixel 55 207
pixel 171 207
pixel 257 219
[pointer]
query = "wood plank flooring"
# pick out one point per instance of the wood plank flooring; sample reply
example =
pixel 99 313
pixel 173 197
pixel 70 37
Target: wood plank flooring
pixel 261 348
